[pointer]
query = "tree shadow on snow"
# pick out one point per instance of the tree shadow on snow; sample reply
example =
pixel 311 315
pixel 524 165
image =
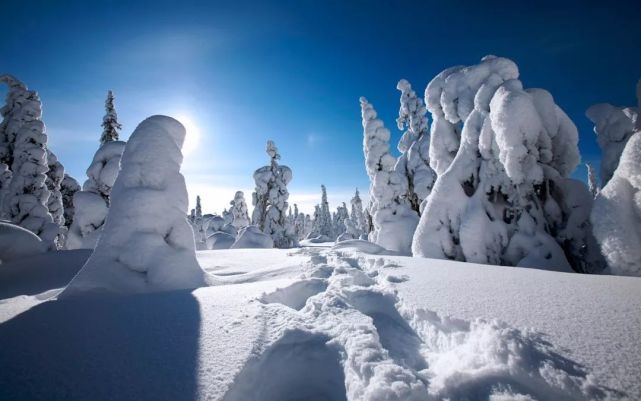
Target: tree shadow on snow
pixel 142 347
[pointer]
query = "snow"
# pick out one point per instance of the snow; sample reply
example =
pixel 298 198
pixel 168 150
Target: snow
pixel 325 324
pixel 147 244
pixel 616 215
pixel 17 242
pixel 252 237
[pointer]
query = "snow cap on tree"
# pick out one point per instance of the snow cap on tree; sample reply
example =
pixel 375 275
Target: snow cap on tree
pixel 147 244
pixel 239 211
pixel 110 123
pixel 68 188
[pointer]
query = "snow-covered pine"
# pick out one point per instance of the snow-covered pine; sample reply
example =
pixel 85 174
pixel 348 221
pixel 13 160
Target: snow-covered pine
pixel 325 223
pixel 414 161
pixel 314 230
pixel 505 198
pixel 147 244
pixel 68 187
pixel 338 220
pixel 55 175
pixel 616 215
pixel 199 208
pixel 613 127
pixel 393 219
pixel 23 148
pixel 299 223
pixel 357 216
pixel 92 203
pixel 239 210
pixel 593 186
pixel 270 200
pixel 110 123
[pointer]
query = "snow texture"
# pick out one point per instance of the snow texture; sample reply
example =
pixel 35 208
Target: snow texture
pixel 147 244
pixel 17 242
pixel 393 219
pixel 252 237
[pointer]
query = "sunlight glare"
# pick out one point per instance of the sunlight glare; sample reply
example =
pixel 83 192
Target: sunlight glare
pixel 192 139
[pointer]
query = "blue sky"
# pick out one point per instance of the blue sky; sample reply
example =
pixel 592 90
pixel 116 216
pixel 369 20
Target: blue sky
pixel 239 73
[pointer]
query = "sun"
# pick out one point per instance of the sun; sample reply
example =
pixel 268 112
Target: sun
pixel 192 139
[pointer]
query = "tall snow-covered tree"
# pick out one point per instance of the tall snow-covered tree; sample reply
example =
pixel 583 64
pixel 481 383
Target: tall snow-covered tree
pixel 393 219
pixel 239 211
pixel 68 187
pixel 270 200
pixel 357 216
pixel 325 223
pixel 55 175
pixel 414 162
pixel 505 197
pixel 314 230
pixel 110 123
pixel 338 220
pixel 147 244
pixel 593 186
pixel 199 208
pixel 92 203
pixel 23 151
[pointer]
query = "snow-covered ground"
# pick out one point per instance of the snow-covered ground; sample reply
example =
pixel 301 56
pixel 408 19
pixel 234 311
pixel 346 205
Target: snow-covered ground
pixel 322 324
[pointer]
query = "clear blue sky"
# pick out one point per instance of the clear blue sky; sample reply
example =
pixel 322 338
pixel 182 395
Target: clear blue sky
pixel 244 72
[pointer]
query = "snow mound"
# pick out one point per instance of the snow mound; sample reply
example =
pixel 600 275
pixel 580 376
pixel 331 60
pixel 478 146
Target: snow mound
pixel 147 244
pixel 17 242
pixel 361 246
pixel 252 237
pixel 220 240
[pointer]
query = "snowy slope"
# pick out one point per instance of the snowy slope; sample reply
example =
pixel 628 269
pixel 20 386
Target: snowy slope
pixel 317 324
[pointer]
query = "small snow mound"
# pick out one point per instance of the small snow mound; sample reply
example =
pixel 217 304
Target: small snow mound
pixel 295 296
pixel 252 237
pixel 360 246
pixel 220 240
pixel 17 242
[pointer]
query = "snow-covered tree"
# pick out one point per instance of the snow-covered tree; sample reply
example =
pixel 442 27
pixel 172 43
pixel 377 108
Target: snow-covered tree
pixel 325 223
pixel 5 180
pixel 239 210
pixel 414 162
pixel 593 186
pixel 338 220
pixel 110 123
pixel 505 197
pixel 270 200
pixel 613 127
pixel 147 244
pixel 68 188
pixel 357 216
pixel 92 203
pixel 23 150
pixel 393 219
pixel 299 224
pixel 55 175
pixel 199 208
pixel 314 231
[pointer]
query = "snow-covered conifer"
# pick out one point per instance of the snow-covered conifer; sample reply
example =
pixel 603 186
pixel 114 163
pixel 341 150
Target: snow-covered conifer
pixel 338 220
pixel 314 230
pixel 199 208
pixel 613 127
pixel 325 222
pixel 357 217
pixel 110 123
pixel 55 175
pixel 5 180
pixel 68 187
pixel 92 203
pixel 147 244
pixel 505 196
pixel 239 210
pixel 270 200
pixel 592 182
pixel 23 148
pixel 393 219
pixel 414 162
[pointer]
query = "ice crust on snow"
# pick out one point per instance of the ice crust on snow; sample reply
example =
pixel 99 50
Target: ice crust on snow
pixel 147 244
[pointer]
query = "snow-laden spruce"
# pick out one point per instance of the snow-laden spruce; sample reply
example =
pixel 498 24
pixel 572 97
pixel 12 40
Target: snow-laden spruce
pixel 238 211
pixel 110 123
pixel 613 127
pixel 92 204
pixel 325 222
pixel 270 200
pixel 393 219
pixel 414 162
pixel 338 220
pixel 617 209
pixel 357 216
pixel 55 175
pixel 23 151
pixel 505 197
pixel 147 245
pixel 68 188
